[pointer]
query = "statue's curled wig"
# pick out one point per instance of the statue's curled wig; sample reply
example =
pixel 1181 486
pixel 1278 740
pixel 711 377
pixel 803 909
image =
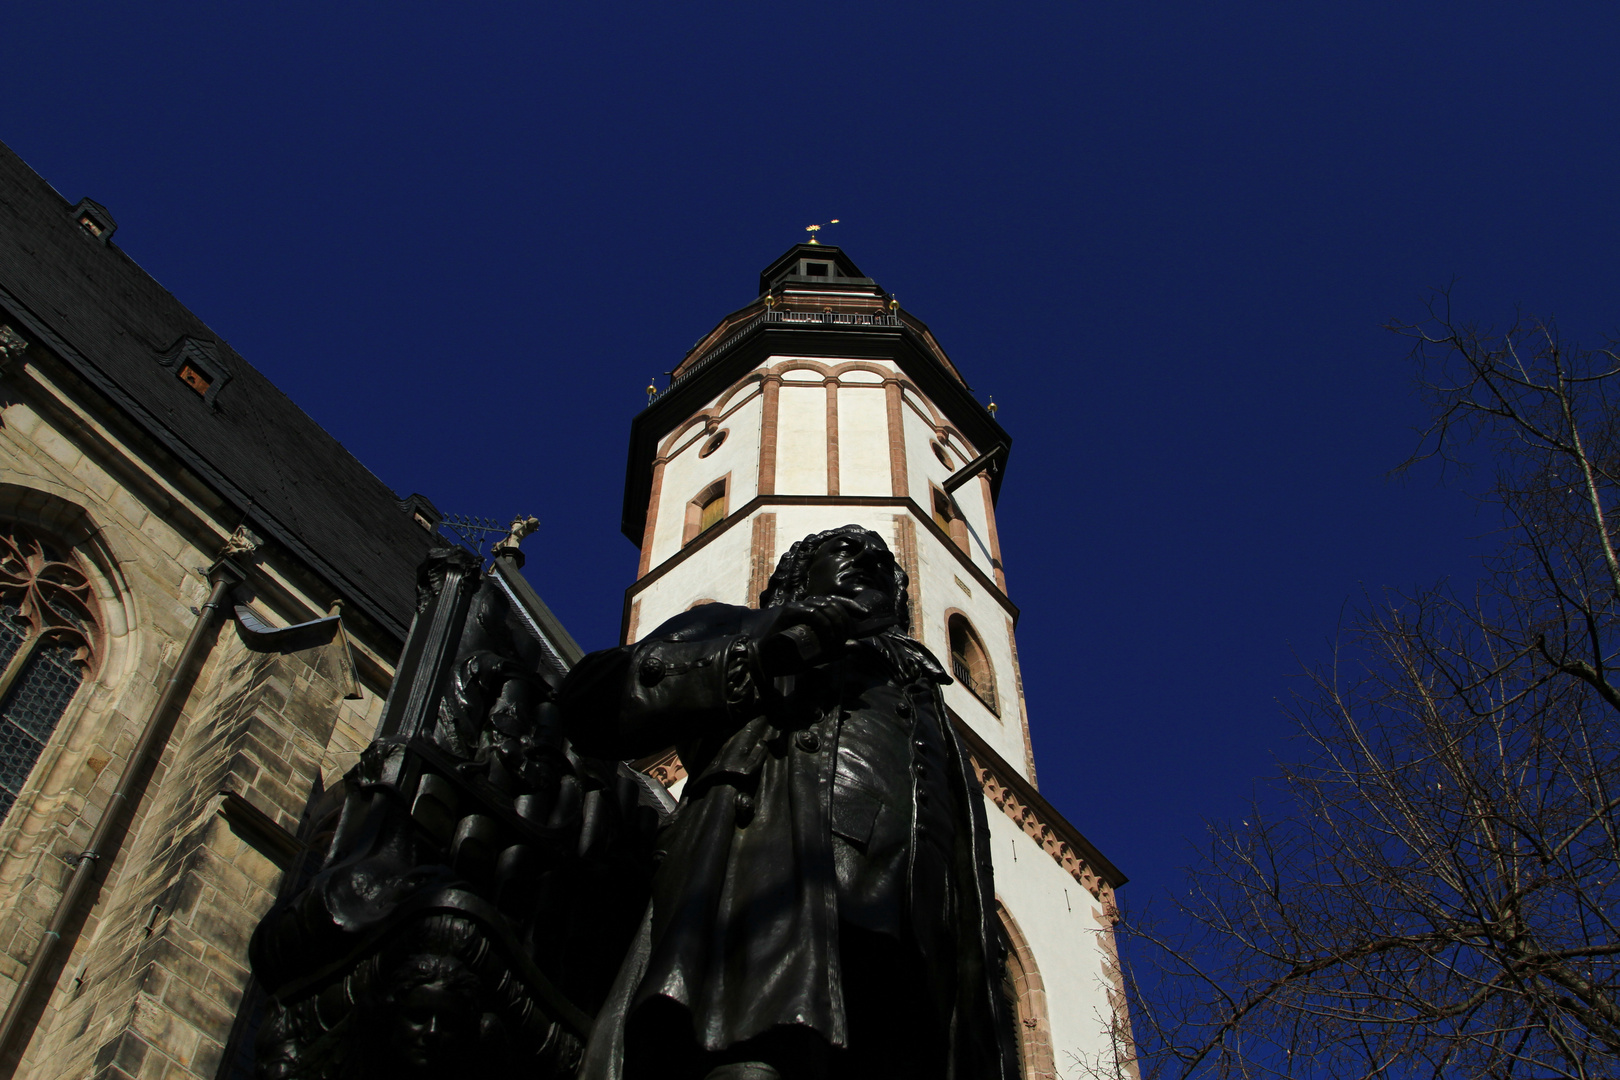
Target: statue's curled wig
pixel 788 583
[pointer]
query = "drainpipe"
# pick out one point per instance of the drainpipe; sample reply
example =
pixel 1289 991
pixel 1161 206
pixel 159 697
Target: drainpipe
pixel 102 846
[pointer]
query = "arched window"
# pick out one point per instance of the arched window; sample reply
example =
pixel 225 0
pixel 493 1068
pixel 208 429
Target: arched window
pixel 706 511
pixel 1025 994
pixel 47 643
pixel 970 664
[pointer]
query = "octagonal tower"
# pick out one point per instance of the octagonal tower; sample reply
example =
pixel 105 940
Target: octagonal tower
pixel 819 404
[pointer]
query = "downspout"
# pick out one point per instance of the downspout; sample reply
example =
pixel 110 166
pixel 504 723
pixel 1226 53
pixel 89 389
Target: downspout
pixel 222 575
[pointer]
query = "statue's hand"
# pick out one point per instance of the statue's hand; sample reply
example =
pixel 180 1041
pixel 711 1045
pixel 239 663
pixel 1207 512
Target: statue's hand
pixel 809 632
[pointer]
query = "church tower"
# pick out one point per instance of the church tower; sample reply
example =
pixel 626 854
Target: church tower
pixel 821 404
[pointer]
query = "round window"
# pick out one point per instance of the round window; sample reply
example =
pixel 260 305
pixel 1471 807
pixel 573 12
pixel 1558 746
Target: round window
pixel 944 456
pixel 714 442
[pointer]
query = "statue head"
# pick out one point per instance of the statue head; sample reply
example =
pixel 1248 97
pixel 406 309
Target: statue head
pixel 434 1014
pixel 849 561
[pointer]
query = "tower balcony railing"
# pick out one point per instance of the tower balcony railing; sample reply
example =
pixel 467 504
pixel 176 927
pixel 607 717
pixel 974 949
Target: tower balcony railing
pixel 832 318
pixel 781 317
pixel 964 675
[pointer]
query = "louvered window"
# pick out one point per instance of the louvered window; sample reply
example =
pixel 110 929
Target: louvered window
pixel 47 643
pixel 707 510
pixel 970 664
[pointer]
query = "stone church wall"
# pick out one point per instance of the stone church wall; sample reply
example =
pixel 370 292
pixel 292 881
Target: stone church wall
pixel 154 967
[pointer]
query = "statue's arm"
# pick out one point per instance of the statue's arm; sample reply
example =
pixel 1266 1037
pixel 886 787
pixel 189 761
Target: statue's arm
pixel 700 673
pixel 685 680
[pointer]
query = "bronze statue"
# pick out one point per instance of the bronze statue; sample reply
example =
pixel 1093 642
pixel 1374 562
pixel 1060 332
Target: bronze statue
pixel 823 903
pixel 471 901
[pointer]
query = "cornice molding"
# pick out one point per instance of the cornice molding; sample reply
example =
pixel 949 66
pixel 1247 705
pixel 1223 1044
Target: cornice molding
pixel 1040 820
pixel 902 345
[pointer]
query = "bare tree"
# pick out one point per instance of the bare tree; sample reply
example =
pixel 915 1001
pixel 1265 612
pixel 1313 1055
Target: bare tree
pixel 1432 890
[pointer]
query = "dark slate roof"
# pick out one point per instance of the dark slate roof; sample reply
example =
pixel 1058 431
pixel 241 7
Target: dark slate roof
pixel 90 303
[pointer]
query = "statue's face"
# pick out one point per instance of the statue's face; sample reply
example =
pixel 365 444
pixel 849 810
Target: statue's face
pixel 432 1024
pixel 851 565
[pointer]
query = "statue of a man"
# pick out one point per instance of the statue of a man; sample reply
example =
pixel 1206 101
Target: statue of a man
pixel 823 902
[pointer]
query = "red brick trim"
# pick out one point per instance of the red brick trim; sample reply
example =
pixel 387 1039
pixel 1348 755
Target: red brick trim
pixel 862 365
pixel 767 435
pixel 632 623
pixel 709 419
pixel 832 436
pixel 1039 820
pixel 900 483
pixel 1023 709
pixel 990 526
pixel 652 518
pixel 762 556
pixel 905 535
pixel 723 406
pixel 1125 1063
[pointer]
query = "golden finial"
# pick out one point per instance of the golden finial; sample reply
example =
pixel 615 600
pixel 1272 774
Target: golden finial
pixel 813 229
pixel 992 406
pixel 652 390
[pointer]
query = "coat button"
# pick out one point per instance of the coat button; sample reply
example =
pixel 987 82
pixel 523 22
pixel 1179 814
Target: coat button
pixel 744 809
pixel 652 670
pixel 808 741
pixel 903 708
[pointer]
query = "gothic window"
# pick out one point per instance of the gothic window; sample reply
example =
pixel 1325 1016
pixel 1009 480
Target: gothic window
pixel 47 643
pixel 970 664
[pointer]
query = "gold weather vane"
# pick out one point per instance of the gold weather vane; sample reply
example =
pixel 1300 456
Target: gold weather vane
pixel 813 229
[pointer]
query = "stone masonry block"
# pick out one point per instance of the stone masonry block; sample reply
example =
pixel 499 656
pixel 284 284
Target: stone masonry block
pixel 125 1053
pixel 163 1030
pixel 127 507
pixel 209 1056
pixel 273 796
pixel 169 959
pixel 53 443
pixel 198 1009
pixel 226 926
pixel 94 477
pixel 231 970
pixel 269 754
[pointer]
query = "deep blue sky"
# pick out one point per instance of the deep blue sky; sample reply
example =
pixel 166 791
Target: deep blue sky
pixel 1164 236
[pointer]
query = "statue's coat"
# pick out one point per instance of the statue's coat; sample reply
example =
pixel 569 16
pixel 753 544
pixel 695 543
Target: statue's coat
pixel 745 915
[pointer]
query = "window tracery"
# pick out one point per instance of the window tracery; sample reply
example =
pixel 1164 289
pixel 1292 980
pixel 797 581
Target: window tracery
pixel 48 639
